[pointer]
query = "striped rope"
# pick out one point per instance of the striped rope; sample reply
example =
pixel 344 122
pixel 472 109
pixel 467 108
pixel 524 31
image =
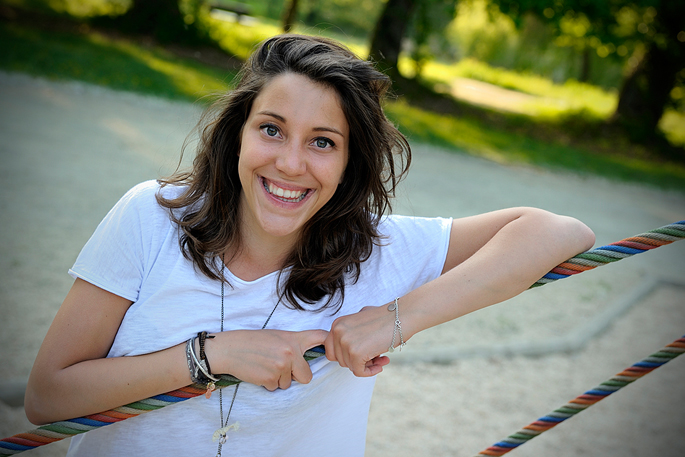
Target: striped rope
pixel 64 429
pixel 614 252
pixel 60 430
pixel 589 398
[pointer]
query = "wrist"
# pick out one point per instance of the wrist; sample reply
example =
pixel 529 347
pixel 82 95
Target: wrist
pixel 215 353
pixel 397 334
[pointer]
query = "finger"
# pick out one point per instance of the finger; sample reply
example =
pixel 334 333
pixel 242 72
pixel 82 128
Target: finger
pixel 285 380
pixel 330 348
pixel 373 367
pixel 270 386
pixel 311 338
pixel 340 355
pixel 377 363
pixel 302 372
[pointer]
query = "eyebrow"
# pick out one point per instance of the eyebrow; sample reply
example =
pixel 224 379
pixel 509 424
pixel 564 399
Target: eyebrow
pixel 316 129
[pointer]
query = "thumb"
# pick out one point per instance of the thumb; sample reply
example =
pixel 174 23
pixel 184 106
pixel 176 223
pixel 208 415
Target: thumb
pixel 311 338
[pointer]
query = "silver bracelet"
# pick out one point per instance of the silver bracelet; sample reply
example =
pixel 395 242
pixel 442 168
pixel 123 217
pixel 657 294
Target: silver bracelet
pixel 191 364
pixel 198 364
pixel 398 326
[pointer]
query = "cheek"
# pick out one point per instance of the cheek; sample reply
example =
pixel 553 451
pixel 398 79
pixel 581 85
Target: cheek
pixel 243 171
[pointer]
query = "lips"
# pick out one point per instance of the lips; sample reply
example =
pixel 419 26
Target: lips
pixel 285 195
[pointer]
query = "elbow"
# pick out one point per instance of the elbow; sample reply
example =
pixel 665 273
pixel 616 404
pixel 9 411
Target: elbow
pixel 33 412
pixel 35 406
pixel 574 235
pixel 579 235
pixel 587 237
pixel 565 232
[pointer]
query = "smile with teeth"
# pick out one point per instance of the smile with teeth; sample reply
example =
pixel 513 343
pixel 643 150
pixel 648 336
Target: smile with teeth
pixel 286 195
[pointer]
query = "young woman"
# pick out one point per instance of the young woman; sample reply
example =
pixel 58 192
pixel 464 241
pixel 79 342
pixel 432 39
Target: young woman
pixel 276 241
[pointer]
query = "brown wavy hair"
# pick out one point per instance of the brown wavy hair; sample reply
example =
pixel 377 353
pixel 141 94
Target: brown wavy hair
pixel 341 235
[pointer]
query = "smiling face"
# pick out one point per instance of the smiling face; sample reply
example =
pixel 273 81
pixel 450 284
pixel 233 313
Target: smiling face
pixel 294 150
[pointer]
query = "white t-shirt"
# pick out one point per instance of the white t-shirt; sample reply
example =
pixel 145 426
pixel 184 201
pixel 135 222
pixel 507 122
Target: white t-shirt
pixel 135 253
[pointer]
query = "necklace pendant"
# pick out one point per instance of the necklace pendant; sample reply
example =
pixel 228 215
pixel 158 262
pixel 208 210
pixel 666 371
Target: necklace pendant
pixel 220 434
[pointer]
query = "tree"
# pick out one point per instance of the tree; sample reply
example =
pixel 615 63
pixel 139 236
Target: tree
pixel 646 91
pixel 166 20
pixel 386 41
pixel 290 15
pixel 417 21
pixel 427 27
pixel 650 26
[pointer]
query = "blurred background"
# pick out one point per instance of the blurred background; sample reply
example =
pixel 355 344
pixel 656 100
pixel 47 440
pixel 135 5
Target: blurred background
pixel 575 106
pixel 591 87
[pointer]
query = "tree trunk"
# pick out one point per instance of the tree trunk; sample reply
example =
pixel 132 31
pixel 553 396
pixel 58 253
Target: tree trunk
pixel 289 16
pixel 646 92
pixel 585 65
pixel 386 42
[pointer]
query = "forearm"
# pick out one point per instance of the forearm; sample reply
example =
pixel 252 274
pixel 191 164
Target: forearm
pixel 517 255
pixel 97 385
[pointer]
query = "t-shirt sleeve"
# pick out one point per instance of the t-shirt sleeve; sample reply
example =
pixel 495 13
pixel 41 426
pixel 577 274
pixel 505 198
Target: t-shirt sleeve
pixel 116 256
pixel 414 249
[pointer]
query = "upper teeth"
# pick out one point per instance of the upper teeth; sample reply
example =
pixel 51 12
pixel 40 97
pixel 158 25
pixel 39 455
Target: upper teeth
pixel 285 193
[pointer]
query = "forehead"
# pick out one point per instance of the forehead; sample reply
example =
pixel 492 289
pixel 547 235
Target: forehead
pixel 298 95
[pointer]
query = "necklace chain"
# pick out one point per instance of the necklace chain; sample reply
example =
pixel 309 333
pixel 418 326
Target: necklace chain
pixel 224 423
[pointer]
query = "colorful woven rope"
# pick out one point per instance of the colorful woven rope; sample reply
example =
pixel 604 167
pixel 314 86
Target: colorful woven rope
pixel 589 398
pixel 614 252
pixel 60 430
pixel 65 429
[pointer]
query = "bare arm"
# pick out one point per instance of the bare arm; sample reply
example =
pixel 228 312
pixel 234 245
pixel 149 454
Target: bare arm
pixel 71 376
pixel 491 258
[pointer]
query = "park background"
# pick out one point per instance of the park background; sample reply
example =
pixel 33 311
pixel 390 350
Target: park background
pixel 504 103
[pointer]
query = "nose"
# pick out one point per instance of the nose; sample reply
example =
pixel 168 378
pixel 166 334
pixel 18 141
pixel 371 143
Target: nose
pixel 292 160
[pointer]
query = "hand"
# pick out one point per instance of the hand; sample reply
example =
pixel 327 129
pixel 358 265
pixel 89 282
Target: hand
pixel 357 341
pixel 269 358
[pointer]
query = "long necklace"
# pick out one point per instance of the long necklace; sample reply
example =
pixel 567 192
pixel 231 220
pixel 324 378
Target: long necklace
pixel 221 432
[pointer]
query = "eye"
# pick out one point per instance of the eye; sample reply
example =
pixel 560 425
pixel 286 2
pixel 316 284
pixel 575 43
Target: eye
pixel 323 143
pixel 270 130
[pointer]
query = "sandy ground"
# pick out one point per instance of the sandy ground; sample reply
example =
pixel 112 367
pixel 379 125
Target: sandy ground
pixel 69 151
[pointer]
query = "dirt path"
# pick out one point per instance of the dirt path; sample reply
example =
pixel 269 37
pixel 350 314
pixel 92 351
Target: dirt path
pixel 69 151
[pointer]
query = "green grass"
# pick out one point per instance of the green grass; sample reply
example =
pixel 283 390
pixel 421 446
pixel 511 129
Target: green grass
pixel 119 64
pixel 571 96
pixel 554 102
pixel 474 138
pixel 125 65
pixel 240 39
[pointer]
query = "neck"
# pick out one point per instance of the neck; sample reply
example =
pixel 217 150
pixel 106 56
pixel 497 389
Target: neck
pixel 258 256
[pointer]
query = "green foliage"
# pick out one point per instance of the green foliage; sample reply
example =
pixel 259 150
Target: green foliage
pixel 622 30
pixel 239 39
pixel 426 30
pixel 81 9
pixel 562 99
pixel 482 32
pixel 96 59
pixel 469 136
pixel 125 65
pixel 347 17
